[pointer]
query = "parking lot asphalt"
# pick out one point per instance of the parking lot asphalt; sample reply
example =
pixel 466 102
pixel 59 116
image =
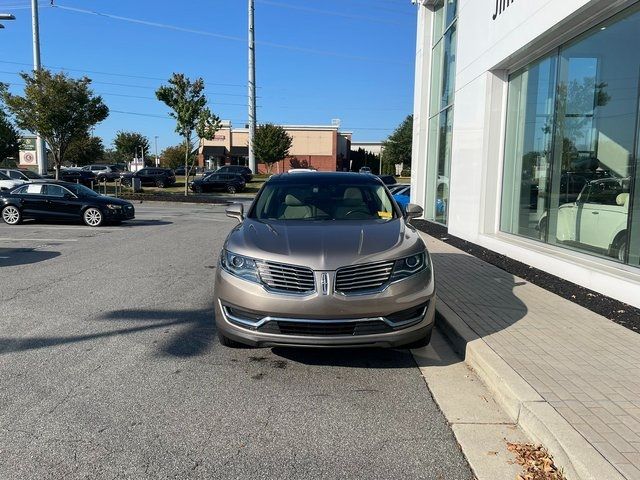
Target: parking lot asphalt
pixel 109 368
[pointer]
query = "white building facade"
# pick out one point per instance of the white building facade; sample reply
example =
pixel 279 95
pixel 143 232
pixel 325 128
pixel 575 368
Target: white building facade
pixel 527 133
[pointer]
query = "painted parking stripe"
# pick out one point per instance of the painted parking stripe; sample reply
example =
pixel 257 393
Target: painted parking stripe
pixel 51 227
pixel 22 239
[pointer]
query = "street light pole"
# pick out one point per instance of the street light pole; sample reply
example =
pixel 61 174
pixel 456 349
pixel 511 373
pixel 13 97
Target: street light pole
pixel 252 87
pixel 40 146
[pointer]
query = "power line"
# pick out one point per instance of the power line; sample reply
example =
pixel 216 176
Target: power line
pixel 316 11
pixel 229 37
pixel 51 67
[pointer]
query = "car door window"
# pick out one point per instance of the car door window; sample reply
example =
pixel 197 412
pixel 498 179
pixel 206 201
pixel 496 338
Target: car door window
pixel 54 191
pixel 15 175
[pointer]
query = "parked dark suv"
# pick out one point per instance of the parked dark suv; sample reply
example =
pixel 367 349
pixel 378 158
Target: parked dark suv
pixel 103 173
pixel 155 177
pixel 237 169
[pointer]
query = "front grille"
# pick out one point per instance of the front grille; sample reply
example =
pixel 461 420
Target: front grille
pixel 361 278
pixel 328 329
pixel 286 278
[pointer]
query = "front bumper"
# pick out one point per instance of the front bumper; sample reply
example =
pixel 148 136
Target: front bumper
pixel 117 215
pixel 401 314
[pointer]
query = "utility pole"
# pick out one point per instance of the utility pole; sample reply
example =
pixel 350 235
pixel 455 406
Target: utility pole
pixel 40 146
pixel 252 88
pixel 157 160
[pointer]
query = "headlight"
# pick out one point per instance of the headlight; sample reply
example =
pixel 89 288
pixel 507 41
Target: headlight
pixel 406 267
pixel 242 267
pixel 114 207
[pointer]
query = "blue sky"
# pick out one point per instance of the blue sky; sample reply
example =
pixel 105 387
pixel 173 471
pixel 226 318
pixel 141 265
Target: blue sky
pixel 346 59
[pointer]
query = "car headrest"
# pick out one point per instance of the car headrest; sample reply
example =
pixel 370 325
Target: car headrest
pixel 622 199
pixel 291 201
pixel 352 194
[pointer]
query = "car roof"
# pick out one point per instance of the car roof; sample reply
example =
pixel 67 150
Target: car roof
pixel 326 177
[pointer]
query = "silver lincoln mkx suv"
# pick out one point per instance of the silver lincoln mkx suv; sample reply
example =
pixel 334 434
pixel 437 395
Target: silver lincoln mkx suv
pixel 324 259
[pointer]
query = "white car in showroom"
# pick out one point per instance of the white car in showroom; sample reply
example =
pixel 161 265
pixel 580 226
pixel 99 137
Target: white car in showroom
pixel 597 220
pixel 7 183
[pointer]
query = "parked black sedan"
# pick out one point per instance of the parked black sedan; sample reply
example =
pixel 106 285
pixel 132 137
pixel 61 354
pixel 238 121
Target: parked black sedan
pixel 83 177
pixel 225 182
pixel 62 201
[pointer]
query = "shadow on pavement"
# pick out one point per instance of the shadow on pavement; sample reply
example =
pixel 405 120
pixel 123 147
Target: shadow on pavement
pixel 485 300
pixel 348 357
pixel 196 337
pixel 11 257
pixel 125 223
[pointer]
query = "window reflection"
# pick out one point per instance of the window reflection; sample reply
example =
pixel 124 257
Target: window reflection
pixel 571 152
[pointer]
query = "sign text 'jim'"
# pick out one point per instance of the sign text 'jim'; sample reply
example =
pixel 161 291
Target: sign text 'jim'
pixel 501 6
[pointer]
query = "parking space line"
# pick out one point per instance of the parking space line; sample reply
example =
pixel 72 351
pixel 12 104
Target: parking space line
pixel 53 227
pixel 9 239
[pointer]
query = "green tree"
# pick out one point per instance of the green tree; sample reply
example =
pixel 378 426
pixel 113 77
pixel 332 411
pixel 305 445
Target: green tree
pixel 188 103
pixel 397 148
pixel 362 158
pixel 271 144
pixel 9 138
pixel 85 151
pixel 57 107
pixel 129 145
pixel 173 157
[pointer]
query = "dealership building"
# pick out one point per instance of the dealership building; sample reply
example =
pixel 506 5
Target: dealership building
pixel 527 133
pixel 323 147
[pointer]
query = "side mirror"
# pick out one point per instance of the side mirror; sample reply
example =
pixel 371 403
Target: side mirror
pixel 235 210
pixel 413 211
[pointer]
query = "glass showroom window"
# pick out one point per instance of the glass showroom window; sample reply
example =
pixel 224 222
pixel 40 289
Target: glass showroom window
pixel 443 69
pixel 571 152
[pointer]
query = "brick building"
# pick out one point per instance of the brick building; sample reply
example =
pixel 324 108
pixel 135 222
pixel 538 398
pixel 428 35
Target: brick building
pixel 325 148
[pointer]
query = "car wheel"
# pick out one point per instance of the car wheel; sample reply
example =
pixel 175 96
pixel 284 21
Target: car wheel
pixel 620 246
pixel 198 189
pixel 231 189
pixel 423 342
pixel 160 183
pixel 542 232
pixel 93 217
pixel 11 215
pixel 227 342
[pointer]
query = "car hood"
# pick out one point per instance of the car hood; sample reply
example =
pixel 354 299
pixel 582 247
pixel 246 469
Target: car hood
pixel 108 200
pixel 324 245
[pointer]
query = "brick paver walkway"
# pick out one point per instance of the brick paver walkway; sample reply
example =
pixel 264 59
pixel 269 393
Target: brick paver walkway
pixel 585 366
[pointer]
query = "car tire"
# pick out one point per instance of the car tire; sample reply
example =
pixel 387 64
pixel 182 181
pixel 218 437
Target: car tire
pixel 198 189
pixel 542 231
pixel 231 189
pixel 11 215
pixel 423 342
pixel 619 246
pixel 160 183
pixel 93 217
pixel 227 342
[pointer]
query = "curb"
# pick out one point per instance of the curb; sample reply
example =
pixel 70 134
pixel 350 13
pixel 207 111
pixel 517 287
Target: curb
pixel 571 452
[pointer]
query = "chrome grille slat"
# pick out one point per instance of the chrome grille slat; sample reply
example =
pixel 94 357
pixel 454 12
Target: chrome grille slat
pixel 286 278
pixel 360 278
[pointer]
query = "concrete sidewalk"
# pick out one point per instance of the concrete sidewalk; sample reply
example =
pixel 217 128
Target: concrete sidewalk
pixel 567 376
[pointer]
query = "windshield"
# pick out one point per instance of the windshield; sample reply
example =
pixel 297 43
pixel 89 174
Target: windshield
pixel 30 174
pixel 82 191
pixel 323 201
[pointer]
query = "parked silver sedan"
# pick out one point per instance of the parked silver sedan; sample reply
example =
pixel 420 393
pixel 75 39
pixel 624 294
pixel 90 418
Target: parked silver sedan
pixel 324 259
